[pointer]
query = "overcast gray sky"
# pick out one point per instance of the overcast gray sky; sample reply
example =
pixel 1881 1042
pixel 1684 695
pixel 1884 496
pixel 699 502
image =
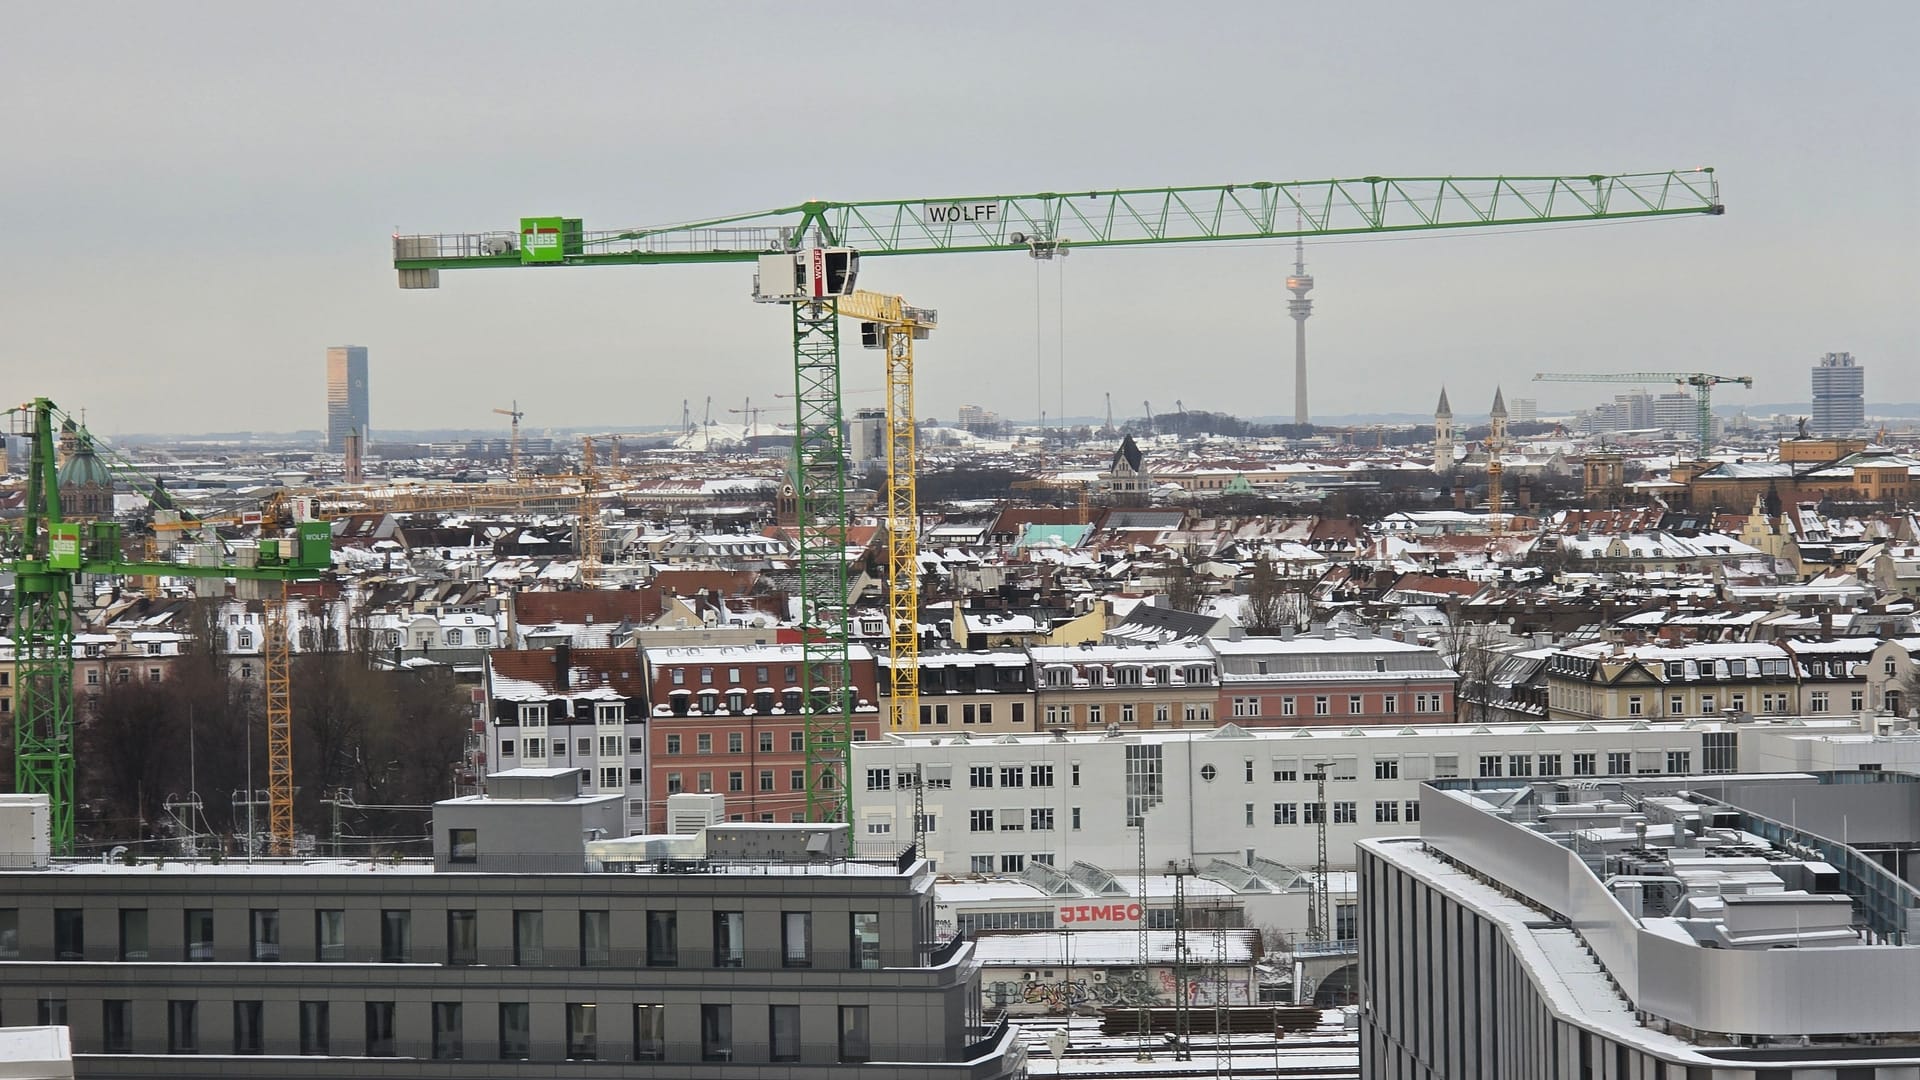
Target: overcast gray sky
pixel 201 198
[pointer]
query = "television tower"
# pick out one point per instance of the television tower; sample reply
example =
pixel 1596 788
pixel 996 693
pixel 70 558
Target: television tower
pixel 1299 283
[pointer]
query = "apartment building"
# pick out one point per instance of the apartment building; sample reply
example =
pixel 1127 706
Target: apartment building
pixel 763 949
pixel 1331 678
pixel 988 690
pixel 1617 681
pixel 729 719
pixel 1139 687
pixel 569 708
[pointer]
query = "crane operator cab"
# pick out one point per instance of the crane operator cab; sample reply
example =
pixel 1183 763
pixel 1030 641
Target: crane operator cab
pixel 795 277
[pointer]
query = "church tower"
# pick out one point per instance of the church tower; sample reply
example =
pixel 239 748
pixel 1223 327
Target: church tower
pixel 1443 435
pixel 1497 419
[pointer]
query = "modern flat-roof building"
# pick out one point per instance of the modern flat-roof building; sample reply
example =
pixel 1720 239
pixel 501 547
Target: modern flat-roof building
pixel 346 395
pixel 1839 395
pixel 1747 926
pixel 523 946
pixel 1000 803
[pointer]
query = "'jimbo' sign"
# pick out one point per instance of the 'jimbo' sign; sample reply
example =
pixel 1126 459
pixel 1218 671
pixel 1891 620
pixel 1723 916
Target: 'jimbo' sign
pixel 1096 915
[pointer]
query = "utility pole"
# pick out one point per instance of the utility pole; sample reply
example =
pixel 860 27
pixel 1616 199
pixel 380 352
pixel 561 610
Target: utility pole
pixel 1144 1014
pixel 1182 983
pixel 1320 915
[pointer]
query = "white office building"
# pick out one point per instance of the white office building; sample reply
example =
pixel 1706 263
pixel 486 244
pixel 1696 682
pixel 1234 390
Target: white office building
pixel 998 804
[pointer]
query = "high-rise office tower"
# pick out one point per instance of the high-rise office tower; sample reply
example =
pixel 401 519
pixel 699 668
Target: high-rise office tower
pixel 1839 395
pixel 346 395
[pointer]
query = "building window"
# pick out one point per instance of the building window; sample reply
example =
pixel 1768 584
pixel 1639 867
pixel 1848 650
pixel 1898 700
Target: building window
pixel 736 742
pixel 856 1039
pixel 266 934
pixel 980 864
pixel 1040 819
pixel 1287 707
pixel 595 939
pixel 516 1033
pixel 199 922
pixel 1345 813
pixel 1013 776
pixel 529 939
pixel 330 934
pixel 879 779
pixel 980 821
pixel 1286 813
pixel 455 637
pixel 1353 705
pixel 980 776
pixel 53 1012
pixel 1246 706
pixel 69 937
pixel 649 1032
pixel 1619 763
pixel 1520 764
pixel 1386 768
pixel 379 1029
pixel 1635 706
pixel 1040 776
pixel 674 784
pixel 1549 764
pixel 463 939
pixel 583 1032
pixel 716 1033
pixel 797 742
pixel 396 937
pixel 506 748
pixel 663 939
pixel 729 938
pixel 1075 813
pixel 1679 761
pixel 1584 765
pixel 797 780
pixel 1012 864
pixel 1322 706
pixel 315 1038
pixel 1285 773
pixel 133 934
pixel 703 743
pixel 1490 765
pixel 1820 702
pixel 865 938
pixel 183 1027
pixel 1413 809
pixel 463 845
pixel 448 1045
pixel 1386 811
pixel 783 1031
pixel 1390 704
pixel 116 1025
pixel 796 939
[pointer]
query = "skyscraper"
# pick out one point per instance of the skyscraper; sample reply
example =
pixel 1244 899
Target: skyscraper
pixel 1839 395
pixel 346 395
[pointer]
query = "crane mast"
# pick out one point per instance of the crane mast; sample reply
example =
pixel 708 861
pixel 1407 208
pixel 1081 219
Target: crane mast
pixel 813 249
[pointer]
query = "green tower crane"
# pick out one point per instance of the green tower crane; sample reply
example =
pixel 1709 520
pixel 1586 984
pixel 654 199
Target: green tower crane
pixel 1701 382
pixel 812 251
pixel 47 556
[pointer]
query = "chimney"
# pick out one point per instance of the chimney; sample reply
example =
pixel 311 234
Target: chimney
pixel 1286 632
pixel 563 665
pixel 1826 624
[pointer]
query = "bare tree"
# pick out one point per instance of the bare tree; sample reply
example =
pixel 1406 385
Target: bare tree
pixel 1470 649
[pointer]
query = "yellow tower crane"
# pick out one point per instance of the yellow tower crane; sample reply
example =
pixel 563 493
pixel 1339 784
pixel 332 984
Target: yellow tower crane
pixel 891 324
pixel 513 440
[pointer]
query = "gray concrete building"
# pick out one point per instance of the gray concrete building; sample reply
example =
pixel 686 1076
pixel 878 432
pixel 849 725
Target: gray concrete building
pixel 1713 928
pixel 527 944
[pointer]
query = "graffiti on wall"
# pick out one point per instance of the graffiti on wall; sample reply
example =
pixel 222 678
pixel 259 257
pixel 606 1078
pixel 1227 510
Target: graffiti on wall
pixel 1127 987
